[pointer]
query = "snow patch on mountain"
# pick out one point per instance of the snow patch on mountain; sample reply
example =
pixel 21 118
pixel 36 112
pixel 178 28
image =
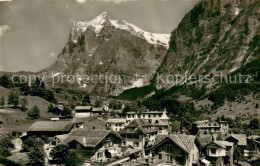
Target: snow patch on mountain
pixel 104 20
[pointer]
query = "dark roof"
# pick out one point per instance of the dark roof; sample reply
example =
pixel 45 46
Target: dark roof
pixel 51 126
pixel 241 138
pixel 176 126
pixel 205 139
pixel 87 138
pixel 185 142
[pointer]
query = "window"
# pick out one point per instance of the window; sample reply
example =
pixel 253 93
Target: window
pixel 136 144
pixel 213 151
pixel 129 116
pixel 169 158
pixel 228 148
pixel 160 156
pixel 53 143
pixel 169 148
pixel 100 154
pixel 179 159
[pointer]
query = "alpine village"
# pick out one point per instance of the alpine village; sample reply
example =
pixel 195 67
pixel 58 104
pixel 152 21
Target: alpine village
pixel 141 122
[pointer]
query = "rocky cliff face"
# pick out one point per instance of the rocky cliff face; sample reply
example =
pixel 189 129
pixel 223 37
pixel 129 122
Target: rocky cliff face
pixel 110 47
pixel 215 36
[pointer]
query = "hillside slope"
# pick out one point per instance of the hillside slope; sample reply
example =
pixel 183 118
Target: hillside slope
pixel 214 37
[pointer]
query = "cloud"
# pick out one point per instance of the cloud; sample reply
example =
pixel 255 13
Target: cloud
pixel 3 29
pixel 52 54
pixel 81 1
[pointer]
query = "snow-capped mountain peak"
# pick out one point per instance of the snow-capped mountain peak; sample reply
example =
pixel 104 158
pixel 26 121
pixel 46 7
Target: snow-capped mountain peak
pixel 104 20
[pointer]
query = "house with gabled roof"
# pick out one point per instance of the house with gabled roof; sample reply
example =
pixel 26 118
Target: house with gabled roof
pixel 175 149
pixel 240 142
pixel 50 128
pixel 139 133
pixel 237 139
pixel 100 145
pixel 220 152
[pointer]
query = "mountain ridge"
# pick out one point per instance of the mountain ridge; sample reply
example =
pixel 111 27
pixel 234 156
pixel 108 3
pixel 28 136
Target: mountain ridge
pixel 109 47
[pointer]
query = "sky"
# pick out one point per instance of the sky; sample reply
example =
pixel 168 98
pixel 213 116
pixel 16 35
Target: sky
pixel 33 32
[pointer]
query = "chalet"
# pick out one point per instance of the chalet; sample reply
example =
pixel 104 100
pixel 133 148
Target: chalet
pixel 240 142
pixel 237 139
pixel 116 124
pixel 50 128
pixel 101 145
pixel 138 133
pixel 212 127
pixel 175 150
pixel 220 152
pixel 57 110
pixel 83 111
pixel 147 115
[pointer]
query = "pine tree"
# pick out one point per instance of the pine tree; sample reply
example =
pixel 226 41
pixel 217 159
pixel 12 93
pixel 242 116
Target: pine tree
pixel 13 98
pixel 34 113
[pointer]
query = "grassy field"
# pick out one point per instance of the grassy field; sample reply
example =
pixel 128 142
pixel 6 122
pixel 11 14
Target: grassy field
pixel 15 119
pixel 244 109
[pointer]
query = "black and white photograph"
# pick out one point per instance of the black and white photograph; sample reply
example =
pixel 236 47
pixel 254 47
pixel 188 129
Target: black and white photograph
pixel 129 82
